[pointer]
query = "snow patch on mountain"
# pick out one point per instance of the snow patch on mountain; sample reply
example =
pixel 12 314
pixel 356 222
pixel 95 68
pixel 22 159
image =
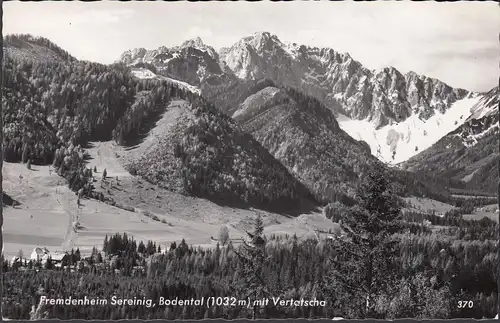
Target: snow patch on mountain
pixel 468 178
pixel 487 106
pixel 473 139
pixel 399 142
pixel 144 73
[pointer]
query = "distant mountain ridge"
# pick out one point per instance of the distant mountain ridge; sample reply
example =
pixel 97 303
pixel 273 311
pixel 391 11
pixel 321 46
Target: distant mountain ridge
pixel 192 62
pixel 336 79
pixel 384 108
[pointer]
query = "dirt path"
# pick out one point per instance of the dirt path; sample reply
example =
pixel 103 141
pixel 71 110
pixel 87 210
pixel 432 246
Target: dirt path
pixel 71 232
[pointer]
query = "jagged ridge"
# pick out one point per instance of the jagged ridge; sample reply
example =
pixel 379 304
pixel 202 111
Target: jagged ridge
pixel 336 79
pixel 470 152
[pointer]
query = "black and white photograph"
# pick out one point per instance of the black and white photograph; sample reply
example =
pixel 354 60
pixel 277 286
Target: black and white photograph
pixel 250 160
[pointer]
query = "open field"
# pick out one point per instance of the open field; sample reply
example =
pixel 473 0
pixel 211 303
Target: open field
pixel 489 211
pixel 427 205
pixel 50 217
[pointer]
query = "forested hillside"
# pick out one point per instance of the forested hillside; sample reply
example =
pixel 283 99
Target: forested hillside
pixel 204 153
pixel 54 107
pixel 305 136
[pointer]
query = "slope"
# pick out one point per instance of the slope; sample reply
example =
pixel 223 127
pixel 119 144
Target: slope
pixel 195 149
pixel 305 136
pixel 39 49
pixel 469 153
pixel 48 214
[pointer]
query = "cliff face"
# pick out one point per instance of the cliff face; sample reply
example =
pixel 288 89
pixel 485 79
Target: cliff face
pixel 336 79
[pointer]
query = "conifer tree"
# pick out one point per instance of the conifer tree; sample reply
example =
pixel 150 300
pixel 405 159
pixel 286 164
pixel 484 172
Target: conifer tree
pixel 364 260
pixel 254 259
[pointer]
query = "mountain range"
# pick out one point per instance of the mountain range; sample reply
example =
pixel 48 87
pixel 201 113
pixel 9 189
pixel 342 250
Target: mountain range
pixel 396 114
pixel 262 115
pixel 400 117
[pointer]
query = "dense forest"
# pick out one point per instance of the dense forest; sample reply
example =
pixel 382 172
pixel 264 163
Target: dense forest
pixel 304 135
pixel 392 268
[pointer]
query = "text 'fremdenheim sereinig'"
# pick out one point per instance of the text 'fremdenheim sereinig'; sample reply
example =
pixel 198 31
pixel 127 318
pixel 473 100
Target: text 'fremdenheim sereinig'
pixel 162 301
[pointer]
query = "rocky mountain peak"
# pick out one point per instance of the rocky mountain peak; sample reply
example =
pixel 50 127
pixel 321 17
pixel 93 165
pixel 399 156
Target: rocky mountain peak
pixel 197 43
pixel 382 97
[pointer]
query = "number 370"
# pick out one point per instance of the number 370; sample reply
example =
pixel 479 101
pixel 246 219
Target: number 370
pixel 465 304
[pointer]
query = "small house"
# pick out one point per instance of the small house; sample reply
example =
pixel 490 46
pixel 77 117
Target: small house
pixel 59 257
pixel 39 253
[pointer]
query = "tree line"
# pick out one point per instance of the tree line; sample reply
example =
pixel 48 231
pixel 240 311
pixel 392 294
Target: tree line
pixel 376 267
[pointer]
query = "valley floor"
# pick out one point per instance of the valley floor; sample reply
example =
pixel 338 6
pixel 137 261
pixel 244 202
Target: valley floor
pixel 49 216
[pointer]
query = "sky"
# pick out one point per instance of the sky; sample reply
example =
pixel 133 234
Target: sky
pixel 457 43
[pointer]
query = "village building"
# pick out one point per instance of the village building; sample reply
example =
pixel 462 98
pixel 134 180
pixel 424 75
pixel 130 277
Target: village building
pixel 43 255
pixel 38 254
pixel 59 258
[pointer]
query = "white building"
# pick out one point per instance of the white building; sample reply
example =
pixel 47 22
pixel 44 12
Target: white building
pixel 43 255
pixel 38 254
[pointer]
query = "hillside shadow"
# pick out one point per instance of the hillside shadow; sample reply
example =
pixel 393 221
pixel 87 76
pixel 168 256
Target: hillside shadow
pixel 9 201
pixel 288 209
pixel 88 145
pixel 86 156
pixel 137 137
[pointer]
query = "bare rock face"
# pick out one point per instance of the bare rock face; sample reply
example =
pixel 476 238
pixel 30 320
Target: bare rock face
pixel 192 62
pixel 341 83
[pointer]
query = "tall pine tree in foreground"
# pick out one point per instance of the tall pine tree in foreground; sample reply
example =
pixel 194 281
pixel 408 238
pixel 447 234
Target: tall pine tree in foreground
pixel 254 259
pixel 364 260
